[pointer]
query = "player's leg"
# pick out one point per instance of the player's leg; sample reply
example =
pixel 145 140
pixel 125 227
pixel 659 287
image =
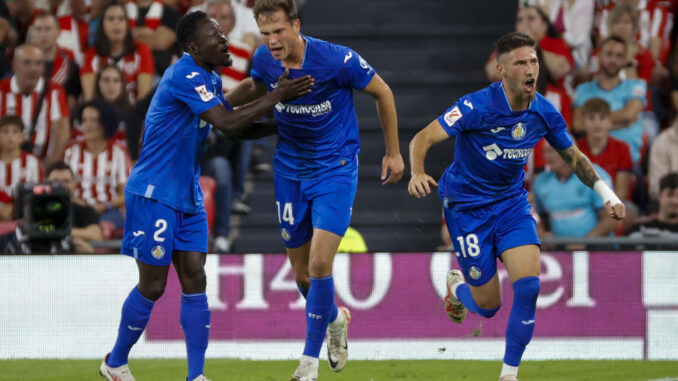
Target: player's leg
pixel 189 262
pixel 147 223
pixel 518 243
pixel 299 258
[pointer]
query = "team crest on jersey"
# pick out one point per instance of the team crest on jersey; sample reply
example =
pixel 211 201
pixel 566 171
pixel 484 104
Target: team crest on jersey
pixel 474 273
pixel 519 131
pixel 452 116
pixel 285 234
pixel 158 252
pixel 205 95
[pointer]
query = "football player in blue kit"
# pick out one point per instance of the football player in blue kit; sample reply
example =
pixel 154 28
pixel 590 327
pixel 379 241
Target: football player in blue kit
pixel 316 162
pixel 485 202
pixel 166 220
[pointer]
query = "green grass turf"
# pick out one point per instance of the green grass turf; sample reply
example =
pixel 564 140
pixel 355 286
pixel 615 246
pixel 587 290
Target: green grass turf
pixel 237 370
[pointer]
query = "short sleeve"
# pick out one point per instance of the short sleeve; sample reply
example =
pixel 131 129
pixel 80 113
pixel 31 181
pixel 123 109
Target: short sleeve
pixel 558 137
pixel 638 90
pixel 581 95
pixel 460 117
pixel 354 72
pixel 193 90
pixel 625 162
pixel 87 66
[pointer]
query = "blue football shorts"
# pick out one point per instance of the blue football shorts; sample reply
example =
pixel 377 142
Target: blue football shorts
pixel 154 230
pixel 303 205
pixel 481 235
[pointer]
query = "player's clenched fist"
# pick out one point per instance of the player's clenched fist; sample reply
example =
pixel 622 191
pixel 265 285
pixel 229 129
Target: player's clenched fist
pixel 420 185
pixel 618 211
pixel 393 167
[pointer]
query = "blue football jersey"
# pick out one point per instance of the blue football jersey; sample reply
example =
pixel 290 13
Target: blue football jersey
pixel 493 144
pixel 317 133
pixel 168 168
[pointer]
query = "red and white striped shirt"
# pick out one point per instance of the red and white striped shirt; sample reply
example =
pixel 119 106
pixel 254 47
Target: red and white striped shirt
pixel 153 16
pixel 54 107
pixel 241 56
pixel 98 177
pixel 140 62
pixel 25 168
pixel 73 36
pixel 61 66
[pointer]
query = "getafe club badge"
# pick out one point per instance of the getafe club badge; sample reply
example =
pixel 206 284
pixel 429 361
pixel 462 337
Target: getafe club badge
pixel 519 131
pixel 285 234
pixel 158 252
pixel 474 273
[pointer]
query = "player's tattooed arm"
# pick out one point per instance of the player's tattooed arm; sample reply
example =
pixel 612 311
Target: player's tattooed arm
pixel 580 164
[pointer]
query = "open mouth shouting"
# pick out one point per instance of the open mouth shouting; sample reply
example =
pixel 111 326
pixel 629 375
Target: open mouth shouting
pixel 530 85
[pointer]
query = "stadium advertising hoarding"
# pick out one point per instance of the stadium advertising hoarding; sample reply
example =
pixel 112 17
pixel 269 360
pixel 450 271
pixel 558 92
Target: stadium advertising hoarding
pixel 591 306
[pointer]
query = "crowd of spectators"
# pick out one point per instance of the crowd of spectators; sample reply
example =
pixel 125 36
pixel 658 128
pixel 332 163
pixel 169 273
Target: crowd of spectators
pixel 76 77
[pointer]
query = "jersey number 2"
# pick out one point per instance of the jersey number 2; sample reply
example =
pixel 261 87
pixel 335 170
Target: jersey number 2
pixel 470 246
pixel 287 215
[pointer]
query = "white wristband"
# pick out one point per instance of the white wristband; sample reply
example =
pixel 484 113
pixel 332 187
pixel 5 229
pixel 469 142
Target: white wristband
pixel 606 193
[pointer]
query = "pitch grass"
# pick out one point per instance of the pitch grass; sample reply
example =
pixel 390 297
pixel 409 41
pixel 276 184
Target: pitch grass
pixel 239 370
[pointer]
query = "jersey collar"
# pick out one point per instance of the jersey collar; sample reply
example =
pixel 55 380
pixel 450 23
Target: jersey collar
pixel 506 105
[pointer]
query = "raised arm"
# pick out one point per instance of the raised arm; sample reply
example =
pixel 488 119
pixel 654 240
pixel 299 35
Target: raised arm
pixel 581 165
pixel 420 182
pixel 386 110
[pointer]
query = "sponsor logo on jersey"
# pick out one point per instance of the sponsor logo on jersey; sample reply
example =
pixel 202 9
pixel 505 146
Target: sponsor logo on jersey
pixel 285 234
pixel 192 75
pixel 313 110
pixel 452 116
pixel 493 151
pixel 474 273
pixel 158 252
pixel 205 95
pixel 518 131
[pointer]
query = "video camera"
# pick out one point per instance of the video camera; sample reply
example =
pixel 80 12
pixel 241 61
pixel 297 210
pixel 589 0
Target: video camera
pixel 44 214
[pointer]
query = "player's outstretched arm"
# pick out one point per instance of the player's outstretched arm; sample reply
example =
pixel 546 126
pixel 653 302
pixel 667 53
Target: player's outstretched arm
pixel 581 165
pixel 245 92
pixel 420 182
pixel 235 123
pixel 386 110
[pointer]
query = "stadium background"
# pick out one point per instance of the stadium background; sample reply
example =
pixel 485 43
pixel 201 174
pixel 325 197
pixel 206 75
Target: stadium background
pixel 594 305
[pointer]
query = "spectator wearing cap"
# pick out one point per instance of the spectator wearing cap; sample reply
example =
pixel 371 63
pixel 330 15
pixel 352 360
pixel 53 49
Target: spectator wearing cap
pixel 101 165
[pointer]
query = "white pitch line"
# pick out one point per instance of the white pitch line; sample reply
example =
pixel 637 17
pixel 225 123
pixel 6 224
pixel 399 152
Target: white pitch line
pixel 665 379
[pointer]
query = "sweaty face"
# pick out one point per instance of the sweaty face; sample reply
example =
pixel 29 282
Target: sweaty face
pixel 278 33
pixel 212 44
pixel 45 32
pixel 529 22
pixel 115 24
pixel 11 137
pixel 519 69
pixel 28 65
pixel 223 13
pixel 597 124
pixel 110 85
pixel 612 58
pixel 90 124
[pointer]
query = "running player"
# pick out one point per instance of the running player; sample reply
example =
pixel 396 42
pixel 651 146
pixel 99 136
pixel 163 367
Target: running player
pixel 316 162
pixel 486 207
pixel 166 220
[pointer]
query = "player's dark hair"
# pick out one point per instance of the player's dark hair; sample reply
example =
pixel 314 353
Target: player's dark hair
pixel 512 41
pixel 596 106
pixel 187 26
pixel 669 182
pixel 12 120
pixel 108 116
pixel 609 39
pixel 58 166
pixel 101 43
pixel 266 7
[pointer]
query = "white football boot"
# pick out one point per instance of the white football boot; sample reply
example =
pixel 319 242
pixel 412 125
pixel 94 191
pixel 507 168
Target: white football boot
pixel 201 378
pixel 307 370
pixel 453 307
pixel 337 344
pixel 120 373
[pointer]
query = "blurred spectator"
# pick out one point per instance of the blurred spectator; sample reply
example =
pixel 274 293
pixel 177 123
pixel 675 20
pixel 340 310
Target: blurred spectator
pixel 625 97
pixel 665 225
pixel 536 24
pixel 114 45
pixel 246 29
pixel 611 154
pixel 7 39
pixel 85 220
pixel 60 66
pixel 623 21
pixel 111 87
pixel 40 104
pixel 216 164
pixel 101 165
pixel 17 166
pixel 574 21
pixel 153 23
pixel 663 158
pixel 571 208
pixel 72 19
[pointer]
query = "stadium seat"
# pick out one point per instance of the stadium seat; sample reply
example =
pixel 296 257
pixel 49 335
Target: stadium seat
pixel 208 186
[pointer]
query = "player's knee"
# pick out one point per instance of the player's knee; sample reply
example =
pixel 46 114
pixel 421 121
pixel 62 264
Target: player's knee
pixel 488 312
pixel 152 290
pixel 194 282
pixel 526 290
pixel 321 266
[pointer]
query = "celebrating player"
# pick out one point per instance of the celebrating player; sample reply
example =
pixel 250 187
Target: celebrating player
pixel 316 162
pixel 166 220
pixel 486 205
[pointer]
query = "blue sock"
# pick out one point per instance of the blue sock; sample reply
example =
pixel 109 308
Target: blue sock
pixel 333 313
pixel 464 295
pixel 319 302
pixel 521 321
pixel 195 320
pixel 135 314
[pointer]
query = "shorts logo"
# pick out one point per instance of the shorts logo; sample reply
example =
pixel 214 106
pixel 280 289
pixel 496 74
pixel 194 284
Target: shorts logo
pixel 474 273
pixel 285 234
pixel 158 252
pixel 518 132
pixel 452 116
